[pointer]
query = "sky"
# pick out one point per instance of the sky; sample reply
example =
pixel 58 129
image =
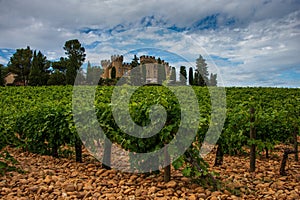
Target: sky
pixel 247 43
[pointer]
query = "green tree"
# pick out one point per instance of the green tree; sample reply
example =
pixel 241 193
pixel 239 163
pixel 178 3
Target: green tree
pixel 196 78
pixel 89 74
pixel 191 76
pixel 202 71
pixel 93 74
pixel 38 72
pixel 76 57
pixel 80 77
pixel 57 78
pixel 159 60
pixel 60 65
pixel 173 75
pixel 183 75
pixel 213 79
pixel 3 72
pixel 135 73
pixel 135 61
pixel 20 64
pixel 97 74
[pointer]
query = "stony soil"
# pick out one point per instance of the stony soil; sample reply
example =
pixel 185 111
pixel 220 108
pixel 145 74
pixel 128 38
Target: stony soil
pixel 52 178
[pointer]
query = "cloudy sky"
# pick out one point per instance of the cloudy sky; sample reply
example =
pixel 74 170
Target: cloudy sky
pixel 247 43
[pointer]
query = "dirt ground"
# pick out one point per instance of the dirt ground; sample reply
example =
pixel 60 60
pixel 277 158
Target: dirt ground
pixel 46 177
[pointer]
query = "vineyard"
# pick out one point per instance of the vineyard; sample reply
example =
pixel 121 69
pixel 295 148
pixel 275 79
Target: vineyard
pixel 41 120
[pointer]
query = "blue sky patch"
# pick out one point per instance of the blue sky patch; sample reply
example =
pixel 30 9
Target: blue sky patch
pixel 253 43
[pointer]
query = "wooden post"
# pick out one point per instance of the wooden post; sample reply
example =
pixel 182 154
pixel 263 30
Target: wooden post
pixel 219 155
pixel 267 152
pixel 167 168
pixel 78 149
pixel 55 151
pixel 252 137
pixel 296 144
pixel 107 154
pixel 284 159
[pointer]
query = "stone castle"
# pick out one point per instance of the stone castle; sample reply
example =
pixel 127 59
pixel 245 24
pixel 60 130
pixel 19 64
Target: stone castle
pixel 123 69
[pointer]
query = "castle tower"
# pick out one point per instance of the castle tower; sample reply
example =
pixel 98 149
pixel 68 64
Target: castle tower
pixel 117 61
pixel 124 68
pixel 105 65
pixel 147 59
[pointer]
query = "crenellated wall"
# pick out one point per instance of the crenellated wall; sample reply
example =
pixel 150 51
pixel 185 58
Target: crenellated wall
pixel 147 59
pixel 124 68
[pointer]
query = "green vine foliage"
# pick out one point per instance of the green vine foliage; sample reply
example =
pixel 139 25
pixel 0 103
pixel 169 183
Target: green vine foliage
pixel 40 119
pixel 276 116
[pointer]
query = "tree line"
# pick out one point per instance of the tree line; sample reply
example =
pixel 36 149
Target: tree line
pixel 33 68
pixel 198 77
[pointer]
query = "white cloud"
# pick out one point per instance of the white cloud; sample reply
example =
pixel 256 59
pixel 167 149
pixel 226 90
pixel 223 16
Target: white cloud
pixel 261 42
pixel 3 60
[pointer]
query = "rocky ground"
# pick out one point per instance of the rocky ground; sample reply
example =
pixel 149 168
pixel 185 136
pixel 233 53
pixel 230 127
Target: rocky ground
pixel 46 177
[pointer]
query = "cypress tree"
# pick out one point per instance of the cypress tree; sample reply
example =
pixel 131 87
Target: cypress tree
pixel 191 76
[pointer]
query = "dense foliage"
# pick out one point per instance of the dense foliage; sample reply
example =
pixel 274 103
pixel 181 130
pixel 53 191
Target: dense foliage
pixel 40 119
pixel 20 64
pixel 32 67
pixel 277 114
